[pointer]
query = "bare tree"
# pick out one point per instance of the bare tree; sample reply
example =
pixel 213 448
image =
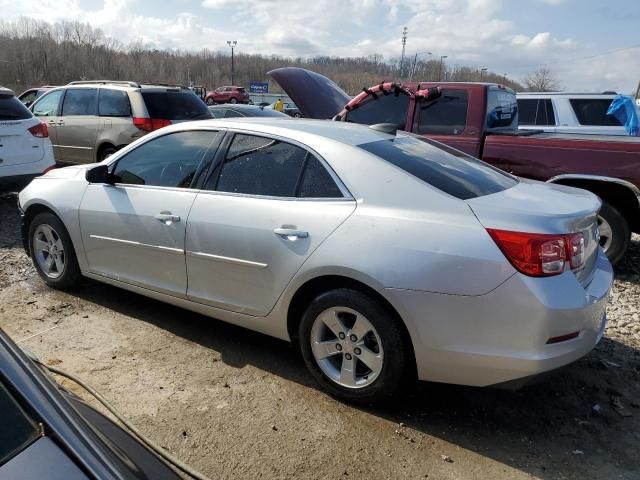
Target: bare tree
pixel 542 80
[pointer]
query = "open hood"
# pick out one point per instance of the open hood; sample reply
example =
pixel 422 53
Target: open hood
pixel 315 95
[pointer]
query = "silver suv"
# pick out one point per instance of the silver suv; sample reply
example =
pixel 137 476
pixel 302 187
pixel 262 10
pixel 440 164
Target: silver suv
pixel 90 120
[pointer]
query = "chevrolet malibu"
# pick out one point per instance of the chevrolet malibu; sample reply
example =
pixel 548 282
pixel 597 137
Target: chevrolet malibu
pixel 382 255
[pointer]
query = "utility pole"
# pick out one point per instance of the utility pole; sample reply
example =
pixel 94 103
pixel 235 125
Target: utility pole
pixel 405 30
pixel 442 57
pixel 232 44
pixel 504 79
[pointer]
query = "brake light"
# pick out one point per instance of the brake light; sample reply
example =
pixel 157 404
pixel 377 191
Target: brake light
pixel 538 254
pixel 150 124
pixel 41 130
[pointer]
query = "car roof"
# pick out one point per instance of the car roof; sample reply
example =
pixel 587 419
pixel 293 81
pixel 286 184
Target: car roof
pixel 302 130
pixel 567 94
pixel 237 106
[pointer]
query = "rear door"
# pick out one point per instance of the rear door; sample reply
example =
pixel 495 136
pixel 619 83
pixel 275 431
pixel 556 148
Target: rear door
pixel 134 231
pixel 78 126
pixel 17 144
pixel 253 226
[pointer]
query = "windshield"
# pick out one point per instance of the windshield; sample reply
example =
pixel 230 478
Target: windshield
pixel 13 109
pixel 175 106
pixel 442 167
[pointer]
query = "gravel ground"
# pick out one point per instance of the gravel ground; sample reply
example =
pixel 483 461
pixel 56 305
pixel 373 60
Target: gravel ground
pixel 236 404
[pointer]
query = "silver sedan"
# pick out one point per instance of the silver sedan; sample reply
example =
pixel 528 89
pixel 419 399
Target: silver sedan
pixel 381 255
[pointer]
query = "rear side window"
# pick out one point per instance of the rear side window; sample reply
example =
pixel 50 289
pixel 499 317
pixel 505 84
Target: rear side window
pixel 445 115
pixel 446 169
pixel 532 111
pixel 48 105
pixel 502 109
pixel 261 166
pixel 175 105
pixel 18 430
pixel 80 101
pixel 384 109
pixel 317 182
pixel 113 103
pixel 593 111
pixel 13 109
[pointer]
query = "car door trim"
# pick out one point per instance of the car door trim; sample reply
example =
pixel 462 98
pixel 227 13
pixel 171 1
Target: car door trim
pixel 220 258
pixel 132 243
pixel 76 147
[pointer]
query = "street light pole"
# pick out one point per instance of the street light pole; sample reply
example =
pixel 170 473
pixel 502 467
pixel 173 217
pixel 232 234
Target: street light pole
pixel 404 42
pixel 415 60
pixel 504 79
pixel 232 44
pixel 442 57
pixel 482 72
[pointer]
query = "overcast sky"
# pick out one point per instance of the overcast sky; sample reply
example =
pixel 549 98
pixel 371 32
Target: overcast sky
pixel 590 45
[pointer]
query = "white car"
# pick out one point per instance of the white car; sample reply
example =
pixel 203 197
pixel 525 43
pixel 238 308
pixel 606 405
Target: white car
pixel 584 113
pixel 25 148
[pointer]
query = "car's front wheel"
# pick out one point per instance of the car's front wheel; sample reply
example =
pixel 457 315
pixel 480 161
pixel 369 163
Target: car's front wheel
pixel 210 101
pixel 233 100
pixel 52 252
pixel 353 346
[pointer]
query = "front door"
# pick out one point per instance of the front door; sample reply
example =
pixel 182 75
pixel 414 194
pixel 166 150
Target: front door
pixel 78 126
pixel 134 231
pixel 253 226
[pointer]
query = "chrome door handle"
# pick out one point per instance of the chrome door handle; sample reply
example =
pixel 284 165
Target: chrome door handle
pixel 290 233
pixel 167 218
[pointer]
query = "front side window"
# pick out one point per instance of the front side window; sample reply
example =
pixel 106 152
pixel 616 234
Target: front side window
pixel 445 115
pixel 502 109
pixel 113 103
pixel 80 101
pixel 442 167
pixel 383 109
pixel 168 161
pixel 18 430
pixel 593 112
pixel 48 105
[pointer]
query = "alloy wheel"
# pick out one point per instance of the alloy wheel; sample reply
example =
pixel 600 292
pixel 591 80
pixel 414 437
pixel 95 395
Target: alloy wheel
pixel 49 251
pixel 347 347
pixel 606 233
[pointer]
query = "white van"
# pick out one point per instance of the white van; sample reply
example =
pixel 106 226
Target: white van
pixel 25 148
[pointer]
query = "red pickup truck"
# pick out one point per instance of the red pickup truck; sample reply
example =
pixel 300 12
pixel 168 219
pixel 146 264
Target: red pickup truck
pixel 481 119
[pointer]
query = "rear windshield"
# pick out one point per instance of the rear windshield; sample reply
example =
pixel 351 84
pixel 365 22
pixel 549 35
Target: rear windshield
pixel 442 167
pixel 13 109
pixel 175 106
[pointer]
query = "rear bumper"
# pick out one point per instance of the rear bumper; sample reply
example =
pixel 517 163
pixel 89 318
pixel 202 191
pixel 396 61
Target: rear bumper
pixel 502 336
pixel 20 172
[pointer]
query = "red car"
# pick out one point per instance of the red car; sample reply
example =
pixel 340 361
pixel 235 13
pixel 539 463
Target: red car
pixel 227 95
pixel 481 119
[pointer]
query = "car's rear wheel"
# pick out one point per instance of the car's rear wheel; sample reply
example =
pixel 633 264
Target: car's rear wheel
pixel 353 346
pixel 210 101
pixel 106 152
pixel 52 252
pixel 615 233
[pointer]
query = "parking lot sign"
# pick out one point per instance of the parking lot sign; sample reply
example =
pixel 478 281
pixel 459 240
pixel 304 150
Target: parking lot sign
pixel 259 87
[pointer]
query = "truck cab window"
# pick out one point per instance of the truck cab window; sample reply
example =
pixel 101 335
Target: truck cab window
pixel 446 115
pixel 385 109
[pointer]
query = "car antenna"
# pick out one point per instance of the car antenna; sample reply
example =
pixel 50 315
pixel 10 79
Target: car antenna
pixel 390 128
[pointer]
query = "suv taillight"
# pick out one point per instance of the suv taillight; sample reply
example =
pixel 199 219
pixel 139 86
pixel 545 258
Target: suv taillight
pixel 150 124
pixel 41 130
pixel 538 254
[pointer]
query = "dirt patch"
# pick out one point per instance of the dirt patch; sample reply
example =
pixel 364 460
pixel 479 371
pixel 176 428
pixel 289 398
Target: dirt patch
pixel 236 404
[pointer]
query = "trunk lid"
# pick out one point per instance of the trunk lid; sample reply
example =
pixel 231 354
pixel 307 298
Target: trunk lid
pixel 17 144
pixel 539 207
pixel 315 95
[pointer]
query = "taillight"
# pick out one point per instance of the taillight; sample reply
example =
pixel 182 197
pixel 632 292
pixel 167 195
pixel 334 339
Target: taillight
pixel 41 130
pixel 538 254
pixel 150 124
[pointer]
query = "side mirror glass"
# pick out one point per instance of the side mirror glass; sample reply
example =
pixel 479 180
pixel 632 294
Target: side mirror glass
pixel 99 174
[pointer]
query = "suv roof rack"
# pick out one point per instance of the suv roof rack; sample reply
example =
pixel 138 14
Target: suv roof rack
pixel 105 82
pixel 159 84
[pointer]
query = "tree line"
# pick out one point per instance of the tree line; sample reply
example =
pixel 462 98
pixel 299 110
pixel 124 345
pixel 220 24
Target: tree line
pixel 35 53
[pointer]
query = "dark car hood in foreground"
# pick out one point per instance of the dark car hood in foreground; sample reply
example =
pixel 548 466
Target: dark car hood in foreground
pixel 315 95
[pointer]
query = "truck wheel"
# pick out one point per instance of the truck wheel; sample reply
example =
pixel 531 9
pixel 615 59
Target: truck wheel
pixel 615 233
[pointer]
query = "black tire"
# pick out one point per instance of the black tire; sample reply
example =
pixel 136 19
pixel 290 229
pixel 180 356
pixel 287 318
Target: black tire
pixel 70 276
pixel 393 372
pixel 106 152
pixel 621 233
pixel 210 101
pixel 233 100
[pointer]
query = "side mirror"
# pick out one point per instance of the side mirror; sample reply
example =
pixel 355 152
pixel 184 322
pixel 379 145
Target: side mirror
pixel 99 174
